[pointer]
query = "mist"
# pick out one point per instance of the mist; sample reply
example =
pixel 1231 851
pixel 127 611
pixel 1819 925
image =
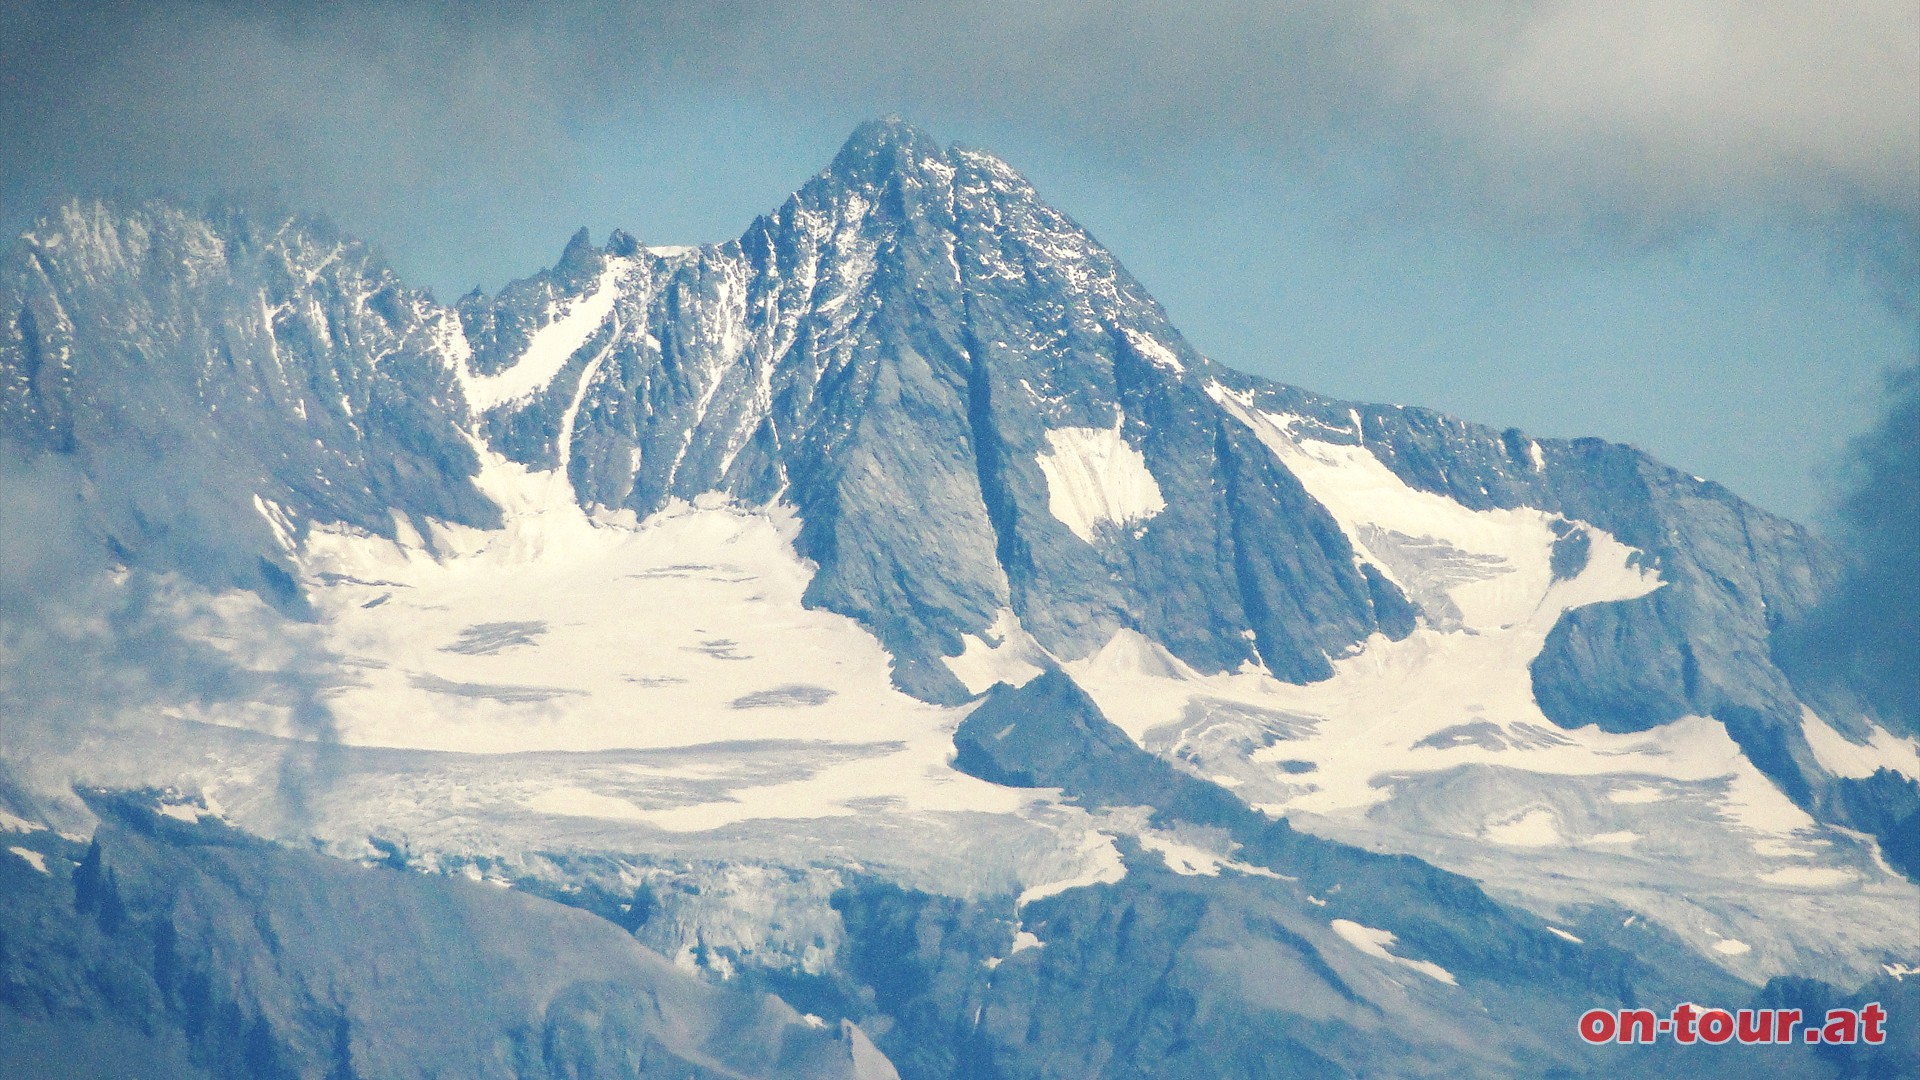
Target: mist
pixel 92 648
pixel 406 121
pixel 1861 640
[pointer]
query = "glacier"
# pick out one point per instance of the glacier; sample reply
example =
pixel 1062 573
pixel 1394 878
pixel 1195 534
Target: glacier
pixel 890 612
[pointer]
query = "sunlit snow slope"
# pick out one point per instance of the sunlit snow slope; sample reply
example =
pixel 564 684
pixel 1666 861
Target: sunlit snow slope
pixel 678 569
pixel 1434 744
pixel 675 659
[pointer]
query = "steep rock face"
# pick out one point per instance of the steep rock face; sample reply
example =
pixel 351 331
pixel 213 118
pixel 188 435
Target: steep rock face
pixel 972 406
pixel 1229 972
pixel 191 363
pixel 1732 571
pixel 1050 733
pixel 1169 975
pixel 920 355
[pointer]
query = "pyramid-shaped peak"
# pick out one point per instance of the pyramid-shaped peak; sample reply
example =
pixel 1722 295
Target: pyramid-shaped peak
pixel 579 248
pixel 879 149
pixel 890 133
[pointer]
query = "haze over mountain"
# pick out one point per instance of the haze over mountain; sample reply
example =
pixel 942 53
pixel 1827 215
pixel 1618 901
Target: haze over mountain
pixel 891 612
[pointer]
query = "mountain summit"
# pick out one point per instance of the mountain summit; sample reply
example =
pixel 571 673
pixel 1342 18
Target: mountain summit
pixel 889 609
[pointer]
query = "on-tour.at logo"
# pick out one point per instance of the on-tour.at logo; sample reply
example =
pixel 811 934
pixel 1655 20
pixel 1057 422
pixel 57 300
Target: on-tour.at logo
pixel 1690 1024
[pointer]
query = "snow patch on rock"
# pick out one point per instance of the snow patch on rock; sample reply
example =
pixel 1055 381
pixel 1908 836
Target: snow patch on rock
pixel 1376 943
pixel 1154 351
pixel 1095 478
pixel 1103 867
pixel 1842 756
pixel 551 347
pixel 14 823
pixel 1003 653
pixel 1537 827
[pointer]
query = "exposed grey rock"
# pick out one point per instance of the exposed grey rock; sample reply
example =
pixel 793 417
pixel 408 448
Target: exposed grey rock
pixel 908 353
pixel 230 957
pixel 190 362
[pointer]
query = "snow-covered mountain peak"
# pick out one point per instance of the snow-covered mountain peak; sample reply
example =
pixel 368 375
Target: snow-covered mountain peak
pixel 882 151
pixel 697 574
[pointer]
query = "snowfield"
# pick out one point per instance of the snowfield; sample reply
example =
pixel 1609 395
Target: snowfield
pixel 1095 478
pixel 580 681
pixel 585 685
pixel 1434 745
pixel 580 684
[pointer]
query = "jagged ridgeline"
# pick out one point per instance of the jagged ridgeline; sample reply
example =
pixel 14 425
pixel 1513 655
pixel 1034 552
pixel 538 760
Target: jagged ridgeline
pixel 669 567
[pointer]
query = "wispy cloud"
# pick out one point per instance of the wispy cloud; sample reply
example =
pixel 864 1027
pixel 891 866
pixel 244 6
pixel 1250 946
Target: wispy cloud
pixel 1644 106
pixel 90 648
pixel 1863 636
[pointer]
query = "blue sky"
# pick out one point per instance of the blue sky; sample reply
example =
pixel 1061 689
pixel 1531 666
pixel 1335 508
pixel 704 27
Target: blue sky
pixel 1689 225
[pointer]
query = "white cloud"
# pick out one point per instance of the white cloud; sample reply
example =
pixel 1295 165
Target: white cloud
pixel 1711 94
